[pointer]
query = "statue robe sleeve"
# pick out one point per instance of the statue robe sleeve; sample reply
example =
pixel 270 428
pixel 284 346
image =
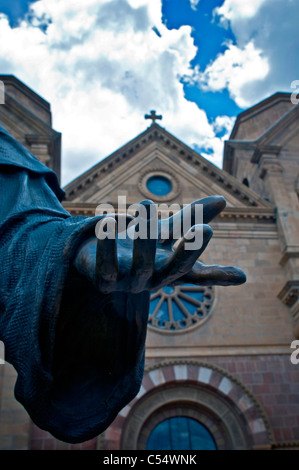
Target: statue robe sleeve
pixel 78 354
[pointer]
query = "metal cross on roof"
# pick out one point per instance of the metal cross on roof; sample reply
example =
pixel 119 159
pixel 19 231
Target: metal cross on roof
pixel 153 116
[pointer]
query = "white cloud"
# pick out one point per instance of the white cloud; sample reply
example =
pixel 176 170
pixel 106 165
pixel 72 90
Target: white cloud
pixel 234 70
pixel 102 67
pixel 271 27
pixel 194 4
pixel 223 125
pixel 235 9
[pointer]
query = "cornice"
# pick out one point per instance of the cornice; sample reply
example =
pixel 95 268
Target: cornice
pixel 25 90
pixel 264 149
pixel 254 214
pixel 33 139
pixel 289 252
pixel 231 214
pixel 29 129
pixel 289 294
pixel 257 108
pixel 262 145
pixel 286 444
pixel 284 122
pixel 160 136
pixel 32 121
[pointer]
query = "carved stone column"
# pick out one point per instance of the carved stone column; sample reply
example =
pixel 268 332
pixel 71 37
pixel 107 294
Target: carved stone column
pixel 287 207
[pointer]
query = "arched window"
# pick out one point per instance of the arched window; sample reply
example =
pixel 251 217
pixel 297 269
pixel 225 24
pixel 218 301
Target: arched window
pixel 180 433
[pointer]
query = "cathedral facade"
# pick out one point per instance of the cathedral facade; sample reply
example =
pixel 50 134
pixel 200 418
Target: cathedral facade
pixel 221 367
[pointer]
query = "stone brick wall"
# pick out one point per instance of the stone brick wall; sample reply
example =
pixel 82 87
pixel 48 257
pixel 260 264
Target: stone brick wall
pixel 264 388
pixel 274 381
pixel 248 316
pixel 14 421
pixel 42 440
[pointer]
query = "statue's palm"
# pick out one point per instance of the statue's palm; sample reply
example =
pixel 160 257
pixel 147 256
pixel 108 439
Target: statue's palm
pixel 123 273
pixel 145 265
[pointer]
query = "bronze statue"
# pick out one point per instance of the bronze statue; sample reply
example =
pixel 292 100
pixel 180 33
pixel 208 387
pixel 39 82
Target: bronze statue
pixel 74 308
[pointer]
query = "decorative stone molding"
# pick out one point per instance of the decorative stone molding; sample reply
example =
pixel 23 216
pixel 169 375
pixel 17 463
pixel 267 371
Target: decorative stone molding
pixel 289 295
pixel 292 445
pixel 289 252
pixel 256 214
pixel 231 214
pixel 41 146
pixel 164 140
pixel 199 384
pixel 260 150
pixel 215 427
pixel 33 139
pixel 269 164
pixel 145 176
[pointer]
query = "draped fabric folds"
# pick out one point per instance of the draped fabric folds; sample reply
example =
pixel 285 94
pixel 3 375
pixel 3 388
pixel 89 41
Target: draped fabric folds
pixel 59 332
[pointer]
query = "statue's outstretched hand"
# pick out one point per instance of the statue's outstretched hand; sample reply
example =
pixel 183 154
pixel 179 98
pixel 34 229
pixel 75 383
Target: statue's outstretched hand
pixel 131 265
pixel 119 274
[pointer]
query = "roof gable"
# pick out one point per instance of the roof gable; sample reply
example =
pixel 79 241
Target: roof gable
pixel 31 100
pixel 254 121
pixel 278 135
pixel 282 131
pixel 156 149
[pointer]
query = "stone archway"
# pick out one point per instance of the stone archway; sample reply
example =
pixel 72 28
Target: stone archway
pixel 210 390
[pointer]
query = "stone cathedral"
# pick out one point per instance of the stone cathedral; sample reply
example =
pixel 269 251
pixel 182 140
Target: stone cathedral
pixel 221 365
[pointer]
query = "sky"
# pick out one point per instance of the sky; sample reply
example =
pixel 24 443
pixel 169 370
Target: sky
pixel 104 64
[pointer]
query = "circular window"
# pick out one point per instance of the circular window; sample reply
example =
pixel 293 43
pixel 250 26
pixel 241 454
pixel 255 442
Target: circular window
pixel 178 308
pixel 180 433
pixel 159 185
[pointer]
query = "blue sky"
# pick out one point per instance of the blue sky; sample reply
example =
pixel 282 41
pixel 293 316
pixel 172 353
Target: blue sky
pixel 210 39
pixel 14 9
pixel 198 62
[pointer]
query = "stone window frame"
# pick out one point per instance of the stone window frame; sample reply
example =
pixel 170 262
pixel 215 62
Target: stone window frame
pixel 175 191
pixel 199 382
pixel 192 322
pixel 189 410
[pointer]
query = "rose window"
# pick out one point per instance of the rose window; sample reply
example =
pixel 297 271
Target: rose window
pixel 181 307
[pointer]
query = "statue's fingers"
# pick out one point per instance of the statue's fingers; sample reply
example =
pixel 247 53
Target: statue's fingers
pixel 212 206
pixel 184 257
pixel 144 247
pixel 106 257
pixel 123 221
pixel 214 275
pixel 201 211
